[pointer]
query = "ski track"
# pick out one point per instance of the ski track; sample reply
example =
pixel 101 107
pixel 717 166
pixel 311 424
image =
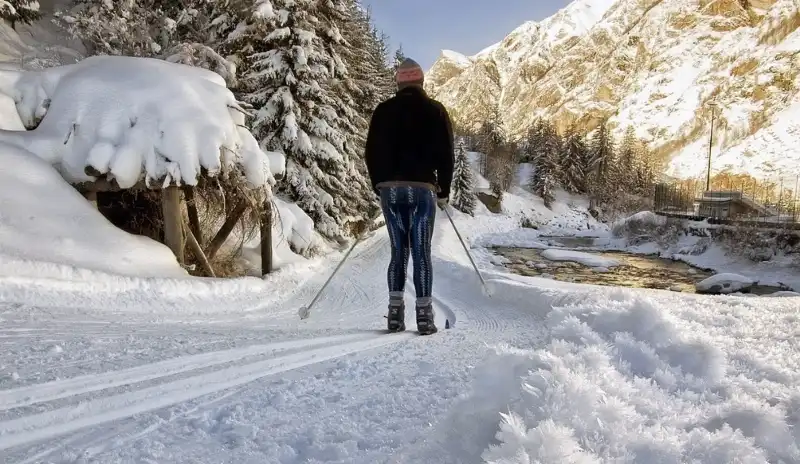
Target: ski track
pixel 52 424
pixel 28 395
pixel 357 297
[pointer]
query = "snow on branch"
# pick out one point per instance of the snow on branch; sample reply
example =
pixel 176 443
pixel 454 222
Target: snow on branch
pixel 131 119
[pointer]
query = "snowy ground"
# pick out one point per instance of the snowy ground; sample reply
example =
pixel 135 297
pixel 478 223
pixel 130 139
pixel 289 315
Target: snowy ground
pixel 183 370
pixel 107 363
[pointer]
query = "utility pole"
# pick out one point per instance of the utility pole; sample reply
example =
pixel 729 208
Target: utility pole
pixel 710 144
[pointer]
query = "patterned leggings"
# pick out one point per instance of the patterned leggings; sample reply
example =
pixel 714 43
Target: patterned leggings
pixel 410 213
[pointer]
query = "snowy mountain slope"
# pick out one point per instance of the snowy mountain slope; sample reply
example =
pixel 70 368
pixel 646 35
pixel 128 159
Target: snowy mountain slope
pixel 658 66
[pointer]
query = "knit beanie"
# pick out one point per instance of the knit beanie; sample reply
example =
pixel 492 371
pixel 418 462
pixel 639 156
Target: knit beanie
pixel 409 73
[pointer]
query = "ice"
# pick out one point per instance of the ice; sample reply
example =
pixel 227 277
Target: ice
pixel 135 119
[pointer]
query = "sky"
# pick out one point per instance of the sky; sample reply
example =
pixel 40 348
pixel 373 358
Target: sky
pixel 425 27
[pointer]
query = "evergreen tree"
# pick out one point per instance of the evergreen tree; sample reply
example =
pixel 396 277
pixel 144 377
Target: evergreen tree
pixel 399 57
pixel 463 182
pixel 24 11
pixel 601 160
pixel 573 161
pixel 295 80
pixel 628 160
pixel 177 31
pixel 544 178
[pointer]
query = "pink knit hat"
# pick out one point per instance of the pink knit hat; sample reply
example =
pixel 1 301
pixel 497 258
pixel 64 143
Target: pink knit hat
pixel 409 73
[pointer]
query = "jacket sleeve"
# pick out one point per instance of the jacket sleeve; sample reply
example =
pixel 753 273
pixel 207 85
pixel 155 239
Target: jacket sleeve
pixel 373 153
pixel 447 154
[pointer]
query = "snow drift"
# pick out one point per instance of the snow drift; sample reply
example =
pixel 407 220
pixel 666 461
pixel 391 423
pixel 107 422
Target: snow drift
pixel 626 377
pixel 44 220
pixel 131 119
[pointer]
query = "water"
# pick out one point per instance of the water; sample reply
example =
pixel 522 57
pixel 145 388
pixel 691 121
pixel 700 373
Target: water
pixel 634 271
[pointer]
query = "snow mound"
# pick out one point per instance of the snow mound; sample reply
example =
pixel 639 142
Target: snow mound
pixel 45 225
pixel 579 257
pixel 724 283
pixel 132 119
pixel 623 378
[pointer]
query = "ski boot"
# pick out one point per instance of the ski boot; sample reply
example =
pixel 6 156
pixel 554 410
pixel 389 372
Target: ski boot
pixel 396 318
pixel 425 324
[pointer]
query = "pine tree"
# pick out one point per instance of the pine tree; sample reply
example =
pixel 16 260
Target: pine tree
pixel 544 178
pixel 628 160
pixel 399 57
pixel 573 161
pixel 187 32
pixel 601 161
pixel 24 11
pixel 463 195
pixel 295 80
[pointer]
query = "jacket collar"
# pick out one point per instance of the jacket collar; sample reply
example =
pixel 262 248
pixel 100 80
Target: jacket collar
pixel 412 90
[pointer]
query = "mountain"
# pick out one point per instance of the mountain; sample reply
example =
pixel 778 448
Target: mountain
pixel 664 67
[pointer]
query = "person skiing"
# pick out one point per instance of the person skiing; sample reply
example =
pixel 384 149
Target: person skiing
pixel 410 157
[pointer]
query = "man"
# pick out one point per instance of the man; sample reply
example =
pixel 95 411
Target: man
pixel 409 155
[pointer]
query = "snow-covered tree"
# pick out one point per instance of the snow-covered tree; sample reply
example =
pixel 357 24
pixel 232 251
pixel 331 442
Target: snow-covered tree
pixel 185 32
pixel 544 178
pixel 463 193
pixel 399 57
pixel 601 151
pixel 296 82
pixel 628 159
pixel 574 161
pixel 19 11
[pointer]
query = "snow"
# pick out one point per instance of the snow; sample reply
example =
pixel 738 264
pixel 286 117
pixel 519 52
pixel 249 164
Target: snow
pixel 169 122
pixel 456 58
pixel 48 229
pixel 724 283
pixel 554 254
pixel 209 373
pixel 99 364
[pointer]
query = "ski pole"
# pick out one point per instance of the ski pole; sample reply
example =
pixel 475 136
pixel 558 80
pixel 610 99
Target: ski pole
pixel 305 311
pixel 469 255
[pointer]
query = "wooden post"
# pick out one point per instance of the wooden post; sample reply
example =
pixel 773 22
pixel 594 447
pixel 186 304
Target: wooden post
pixel 173 230
pixel 194 218
pixel 198 250
pixel 266 239
pixel 226 230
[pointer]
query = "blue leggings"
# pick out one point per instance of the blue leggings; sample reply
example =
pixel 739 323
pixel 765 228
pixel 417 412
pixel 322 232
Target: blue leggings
pixel 410 213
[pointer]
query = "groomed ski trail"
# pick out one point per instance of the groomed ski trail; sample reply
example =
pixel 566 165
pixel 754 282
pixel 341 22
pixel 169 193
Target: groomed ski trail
pixel 128 404
pixel 68 419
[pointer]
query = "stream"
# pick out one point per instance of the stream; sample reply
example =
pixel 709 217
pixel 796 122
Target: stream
pixel 633 271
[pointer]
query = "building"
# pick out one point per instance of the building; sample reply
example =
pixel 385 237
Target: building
pixel 730 205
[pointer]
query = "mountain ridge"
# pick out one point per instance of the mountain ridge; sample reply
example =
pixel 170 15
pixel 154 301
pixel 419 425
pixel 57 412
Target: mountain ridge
pixel 654 65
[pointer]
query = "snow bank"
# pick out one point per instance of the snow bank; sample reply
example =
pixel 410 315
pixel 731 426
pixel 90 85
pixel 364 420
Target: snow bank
pixel 586 259
pixel 133 119
pixel 625 378
pixel 724 283
pixel 45 225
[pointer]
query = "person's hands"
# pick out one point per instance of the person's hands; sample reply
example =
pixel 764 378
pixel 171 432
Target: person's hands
pixel 442 203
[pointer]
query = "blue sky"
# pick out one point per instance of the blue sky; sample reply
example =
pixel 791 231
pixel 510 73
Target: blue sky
pixel 424 27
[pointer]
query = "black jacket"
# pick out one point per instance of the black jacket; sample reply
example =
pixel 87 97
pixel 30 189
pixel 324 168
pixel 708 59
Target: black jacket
pixel 411 139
